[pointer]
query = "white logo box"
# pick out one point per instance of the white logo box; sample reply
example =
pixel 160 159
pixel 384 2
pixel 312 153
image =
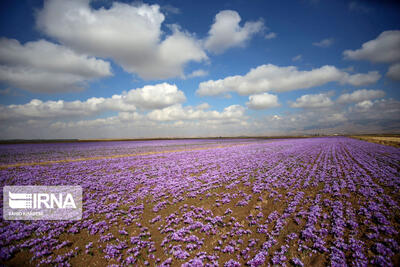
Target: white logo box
pixel 42 202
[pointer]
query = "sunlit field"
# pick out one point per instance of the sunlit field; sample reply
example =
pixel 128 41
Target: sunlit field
pixel 384 140
pixel 212 202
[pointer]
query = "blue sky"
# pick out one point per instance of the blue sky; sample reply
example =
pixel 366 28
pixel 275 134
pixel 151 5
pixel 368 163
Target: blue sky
pixel 111 69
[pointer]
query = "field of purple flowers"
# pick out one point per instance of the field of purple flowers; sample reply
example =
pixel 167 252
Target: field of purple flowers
pixel 294 202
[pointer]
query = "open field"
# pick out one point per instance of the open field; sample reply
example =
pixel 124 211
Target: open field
pixel 384 140
pixel 294 202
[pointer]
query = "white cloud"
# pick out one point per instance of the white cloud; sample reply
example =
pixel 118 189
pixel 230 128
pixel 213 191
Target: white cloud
pixel 38 109
pixel 366 104
pixel 229 122
pixel 312 101
pixel 122 117
pixel 335 117
pixel 380 117
pixel 324 43
pixel 361 79
pixel 203 106
pixel 380 109
pixel 130 34
pixel 385 48
pixel 270 35
pixel 177 112
pixel 173 121
pixel 394 72
pixel 360 95
pixel 169 9
pixel 226 31
pixel 149 97
pixel 263 101
pixel 297 58
pixel 42 66
pixel 270 77
pixel 174 52
pixel 155 96
pixel 197 73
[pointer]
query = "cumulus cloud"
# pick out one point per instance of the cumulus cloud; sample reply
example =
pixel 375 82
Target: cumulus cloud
pixel 335 117
pixel 53 119
pixel 324 43
pixel 149 97
pixel 385 48
pixel 281 79
pixel 155 96
pixel 197 73
pixel 263 101
pixel 361 79
pixel 122 117
pixel 169 9
pixel 365 104
pixel 178 112
pixel 132 124
pixel 381 116
pixel 37 109
pixel 381 108
pixel 42 66
pixel 381 111
pixel 360 95
pixel 130 34
pixel 394 72
pixel 312 101
pixel 377 116
pixel 203 106
pixel 226 31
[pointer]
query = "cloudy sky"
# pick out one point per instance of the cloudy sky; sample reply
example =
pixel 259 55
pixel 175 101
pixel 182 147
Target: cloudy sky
pixel 105 69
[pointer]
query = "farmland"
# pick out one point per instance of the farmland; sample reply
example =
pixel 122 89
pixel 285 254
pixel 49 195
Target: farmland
pixel 384 140
pixel 294 202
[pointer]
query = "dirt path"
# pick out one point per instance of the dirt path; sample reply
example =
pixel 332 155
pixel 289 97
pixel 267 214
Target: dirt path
pixel 112 157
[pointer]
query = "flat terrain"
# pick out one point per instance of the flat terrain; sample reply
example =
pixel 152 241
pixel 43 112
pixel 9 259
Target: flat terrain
pixel 249 202
pixel 384 140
